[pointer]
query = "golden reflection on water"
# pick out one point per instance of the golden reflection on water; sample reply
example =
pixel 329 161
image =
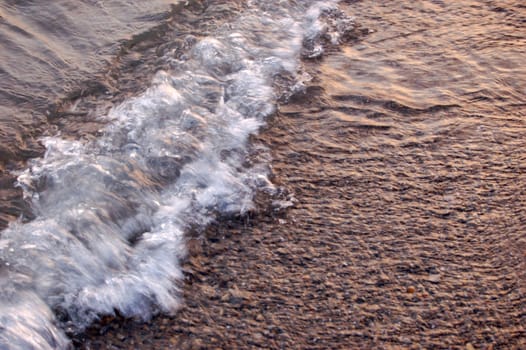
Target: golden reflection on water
pixel 419 151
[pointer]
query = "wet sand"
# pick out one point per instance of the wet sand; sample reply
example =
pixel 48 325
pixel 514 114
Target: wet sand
pixel 400 235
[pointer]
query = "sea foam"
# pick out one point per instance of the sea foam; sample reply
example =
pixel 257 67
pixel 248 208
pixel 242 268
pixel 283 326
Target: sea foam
pixel 111 214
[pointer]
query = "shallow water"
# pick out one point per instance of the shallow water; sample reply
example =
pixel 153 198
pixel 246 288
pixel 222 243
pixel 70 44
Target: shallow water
pixel 418 135
pixel 49 45
pixel 432 103
pixel 50 49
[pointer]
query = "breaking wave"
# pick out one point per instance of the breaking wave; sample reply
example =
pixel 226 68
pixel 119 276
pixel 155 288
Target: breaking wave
pixel 111 214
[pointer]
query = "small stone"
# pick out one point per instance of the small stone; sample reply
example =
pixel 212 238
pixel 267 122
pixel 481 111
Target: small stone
pixel 237 293
pixel 435 278
pixel 260 318
pixel 411 289
pixel 194 247
pixel 209 291
pixel 470 346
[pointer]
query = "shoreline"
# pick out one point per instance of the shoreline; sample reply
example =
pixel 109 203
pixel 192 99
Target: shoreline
pixel 393 241
pixel 317 275
pixel 397 236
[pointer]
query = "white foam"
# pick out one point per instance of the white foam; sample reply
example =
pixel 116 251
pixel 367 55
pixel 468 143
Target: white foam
pixel 111 214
